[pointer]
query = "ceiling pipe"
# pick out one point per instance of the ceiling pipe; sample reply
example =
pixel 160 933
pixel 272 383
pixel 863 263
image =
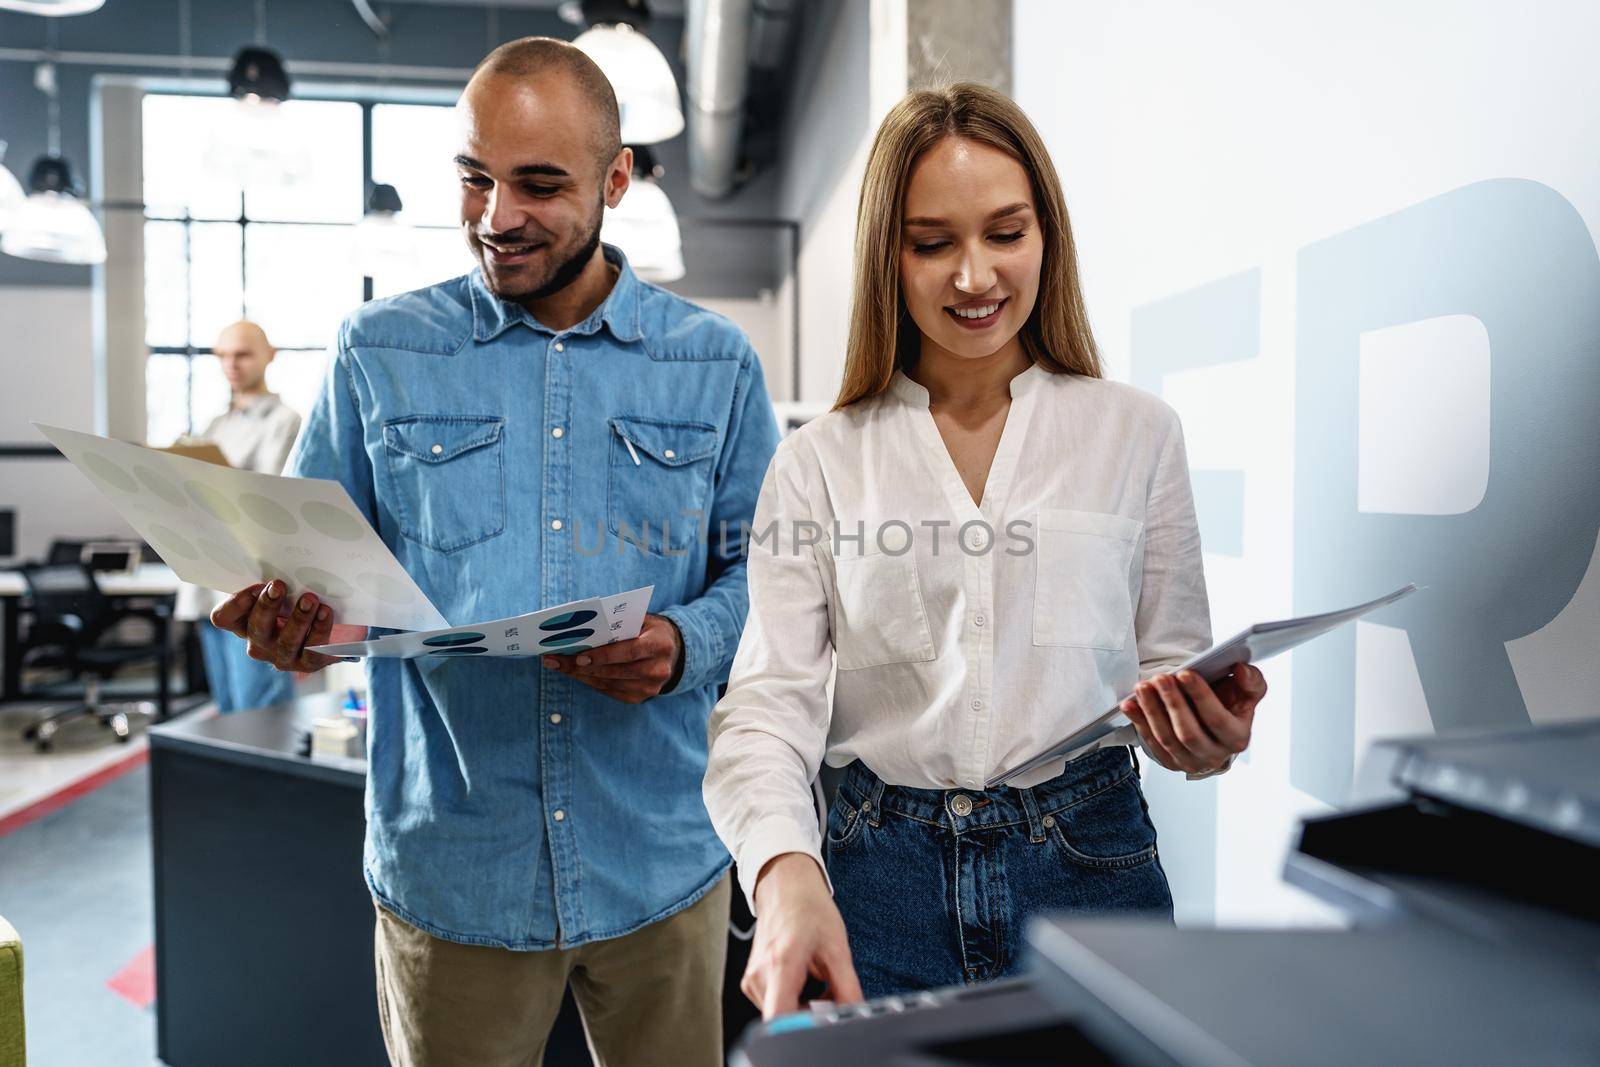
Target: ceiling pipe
pixel 718 33
pixel 371 18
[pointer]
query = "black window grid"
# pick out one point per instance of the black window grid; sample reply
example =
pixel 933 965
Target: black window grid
pixel 243 220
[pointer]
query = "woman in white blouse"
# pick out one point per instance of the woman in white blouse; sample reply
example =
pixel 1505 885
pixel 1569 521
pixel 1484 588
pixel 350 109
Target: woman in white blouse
pixel 992 544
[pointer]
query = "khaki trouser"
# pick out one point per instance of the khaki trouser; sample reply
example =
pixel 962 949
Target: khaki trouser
pixel 650 997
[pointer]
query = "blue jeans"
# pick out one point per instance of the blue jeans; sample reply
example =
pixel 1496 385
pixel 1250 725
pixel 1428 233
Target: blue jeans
pixel 236 680
pixel 937 886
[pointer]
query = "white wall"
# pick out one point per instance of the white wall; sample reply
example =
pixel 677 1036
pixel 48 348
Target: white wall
pixel 45 357
pixel 852 68
pixel 1353 244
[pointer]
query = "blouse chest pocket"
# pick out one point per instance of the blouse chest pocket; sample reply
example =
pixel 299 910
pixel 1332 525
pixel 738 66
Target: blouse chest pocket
pixel 880 618
pixel 446 478
pixel 1081 597
pixel 659 476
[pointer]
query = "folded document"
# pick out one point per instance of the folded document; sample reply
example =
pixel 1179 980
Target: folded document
pixel 562 630
pixel 1261 641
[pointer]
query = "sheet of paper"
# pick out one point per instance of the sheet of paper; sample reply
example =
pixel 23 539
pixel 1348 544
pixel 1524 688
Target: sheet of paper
pixel 564 629
pixel 1252 645
pixel 225 529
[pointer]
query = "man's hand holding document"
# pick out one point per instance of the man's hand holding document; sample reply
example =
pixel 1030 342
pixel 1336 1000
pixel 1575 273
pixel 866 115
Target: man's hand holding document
pixel 297 554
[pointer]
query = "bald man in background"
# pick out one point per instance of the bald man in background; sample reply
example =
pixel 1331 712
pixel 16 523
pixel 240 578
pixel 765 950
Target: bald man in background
pixel 256 433
pixel 545 429
pixel 258 429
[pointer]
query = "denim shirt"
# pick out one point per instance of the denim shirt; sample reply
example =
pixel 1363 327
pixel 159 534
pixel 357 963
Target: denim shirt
pixel 510 467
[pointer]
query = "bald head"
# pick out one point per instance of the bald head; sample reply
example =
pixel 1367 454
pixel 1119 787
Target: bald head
pixel 547 58
pixel 243 332
pixel 244 352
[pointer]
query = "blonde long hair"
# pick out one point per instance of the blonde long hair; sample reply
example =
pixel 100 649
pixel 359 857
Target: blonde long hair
pixel 882 335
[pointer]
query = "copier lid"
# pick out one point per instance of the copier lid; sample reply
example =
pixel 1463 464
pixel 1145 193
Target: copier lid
pixel 1547 778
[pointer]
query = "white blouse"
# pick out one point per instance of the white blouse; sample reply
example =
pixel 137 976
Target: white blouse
pixel 967 638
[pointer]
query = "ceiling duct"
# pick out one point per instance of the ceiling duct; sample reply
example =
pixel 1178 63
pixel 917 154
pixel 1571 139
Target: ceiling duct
pixel 737 56
pixel 718 35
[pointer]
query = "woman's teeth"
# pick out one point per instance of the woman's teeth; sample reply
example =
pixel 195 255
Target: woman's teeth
pixel 978 312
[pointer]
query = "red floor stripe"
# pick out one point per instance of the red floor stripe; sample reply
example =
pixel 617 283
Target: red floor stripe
pixel 72 791
pixel 136 983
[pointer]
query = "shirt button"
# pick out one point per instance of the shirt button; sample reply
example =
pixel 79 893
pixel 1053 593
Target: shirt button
pixel 436 449
pixel 977 705
pixel 669 453
pixel 555 524
pixel 961 804
pixel 560 347
pixel 978 620
pixel 976 540
pixel 559 815
pixel 557 432
pixel 555 716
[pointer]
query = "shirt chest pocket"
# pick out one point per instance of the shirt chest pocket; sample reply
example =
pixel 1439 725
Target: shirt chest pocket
pixel 446 478
pixel 880 617
pixel 1081 597
pixel 659 478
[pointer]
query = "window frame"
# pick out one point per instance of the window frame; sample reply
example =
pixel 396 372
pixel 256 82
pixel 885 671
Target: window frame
pixel 366 99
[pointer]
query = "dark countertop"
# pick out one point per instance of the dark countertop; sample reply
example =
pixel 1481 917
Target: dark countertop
pixel 267 738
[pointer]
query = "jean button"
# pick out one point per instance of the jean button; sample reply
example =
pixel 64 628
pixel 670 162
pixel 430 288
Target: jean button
pixel 961 804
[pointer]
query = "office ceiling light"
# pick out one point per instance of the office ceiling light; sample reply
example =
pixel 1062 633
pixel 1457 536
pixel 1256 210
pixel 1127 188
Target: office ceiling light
pixel 647 93
pixel 258 76
pixel 52 224
pixel 645 226
pixel 258 148
pixel 382 241
pixel 11 194
pixel 52 7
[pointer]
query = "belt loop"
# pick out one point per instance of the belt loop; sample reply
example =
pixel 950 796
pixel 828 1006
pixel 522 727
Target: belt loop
pixel 1133 753
pixel 874 804
pixel 1030 806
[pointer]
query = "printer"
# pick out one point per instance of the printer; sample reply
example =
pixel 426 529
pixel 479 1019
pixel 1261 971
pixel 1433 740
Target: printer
pixel 1468 867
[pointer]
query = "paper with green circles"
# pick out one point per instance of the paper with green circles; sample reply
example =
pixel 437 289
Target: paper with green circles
pixel 562 630
pixel 226 529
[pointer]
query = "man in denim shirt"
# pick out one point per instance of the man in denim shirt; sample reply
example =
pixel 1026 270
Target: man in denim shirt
pixel 544 429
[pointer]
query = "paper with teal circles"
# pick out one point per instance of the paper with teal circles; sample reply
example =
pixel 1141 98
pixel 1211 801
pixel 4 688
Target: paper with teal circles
pixel 563 630
pixel 227 529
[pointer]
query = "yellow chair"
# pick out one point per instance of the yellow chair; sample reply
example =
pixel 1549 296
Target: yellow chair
pixel 13 1051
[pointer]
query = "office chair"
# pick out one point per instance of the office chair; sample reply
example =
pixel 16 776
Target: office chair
pixel 71 630
pixel 65 551
pixel 100 553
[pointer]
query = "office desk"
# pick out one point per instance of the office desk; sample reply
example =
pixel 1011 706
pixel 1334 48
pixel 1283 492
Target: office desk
pixel 147 580
pixel 263 920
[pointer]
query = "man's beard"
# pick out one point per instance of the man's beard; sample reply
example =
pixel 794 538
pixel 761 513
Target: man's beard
pixel 565 273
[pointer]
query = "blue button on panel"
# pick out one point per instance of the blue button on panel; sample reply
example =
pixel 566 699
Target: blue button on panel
pixel 783 1024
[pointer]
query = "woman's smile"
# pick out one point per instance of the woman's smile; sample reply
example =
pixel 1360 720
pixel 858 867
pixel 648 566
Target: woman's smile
pixel 977 316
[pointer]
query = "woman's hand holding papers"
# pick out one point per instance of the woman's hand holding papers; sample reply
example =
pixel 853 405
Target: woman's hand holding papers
pixel 1187 725
pixel 280 637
